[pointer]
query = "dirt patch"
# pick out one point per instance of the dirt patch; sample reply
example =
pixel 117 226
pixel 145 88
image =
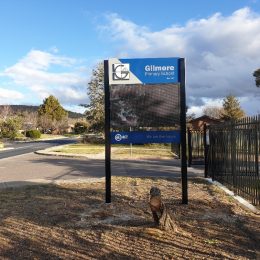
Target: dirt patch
pixel 71 221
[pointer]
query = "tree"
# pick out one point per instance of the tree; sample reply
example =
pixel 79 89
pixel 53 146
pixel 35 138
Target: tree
pixel 52 108
pixel 95 109
pixel 29 120
pixel 6 112
pixel 231 109
pixel 256 74
pixel 10 127
pixel 45 123
pixel 190 116
pixel 61 126
pixel 213 111
pixel 51 114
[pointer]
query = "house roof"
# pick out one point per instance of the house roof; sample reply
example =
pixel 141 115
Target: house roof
pixel 205 117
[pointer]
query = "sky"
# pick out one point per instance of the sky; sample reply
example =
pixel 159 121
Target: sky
pixel 50 47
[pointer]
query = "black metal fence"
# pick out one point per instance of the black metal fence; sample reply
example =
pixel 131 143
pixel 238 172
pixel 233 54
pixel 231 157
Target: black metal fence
pixel 233 156
pixel 196 148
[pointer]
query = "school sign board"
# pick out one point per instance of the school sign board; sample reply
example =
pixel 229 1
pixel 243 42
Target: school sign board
pixel 143 71
pixel 144 93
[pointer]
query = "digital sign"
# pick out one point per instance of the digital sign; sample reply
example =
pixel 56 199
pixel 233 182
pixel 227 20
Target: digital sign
pixel 150 105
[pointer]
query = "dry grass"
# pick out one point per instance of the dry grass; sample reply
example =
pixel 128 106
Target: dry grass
pixel 50 136
pixel 142 152
pixel 120 151
pixel 71 221
pixel 81 149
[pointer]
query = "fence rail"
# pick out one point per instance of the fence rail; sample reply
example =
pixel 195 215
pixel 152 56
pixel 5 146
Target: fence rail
pixel 233 156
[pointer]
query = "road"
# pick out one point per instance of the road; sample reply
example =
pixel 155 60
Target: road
pixel 20 165
pixel 33 168
pixel 18 148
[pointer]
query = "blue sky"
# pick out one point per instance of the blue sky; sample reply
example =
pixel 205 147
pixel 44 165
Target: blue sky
pixel 50 47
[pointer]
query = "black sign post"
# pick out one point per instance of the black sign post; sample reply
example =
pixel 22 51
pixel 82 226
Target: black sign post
pixel 149 73
pixel 184 177
pixel 107 134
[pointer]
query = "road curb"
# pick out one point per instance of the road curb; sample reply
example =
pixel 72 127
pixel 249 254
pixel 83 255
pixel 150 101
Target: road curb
pixel 50 152
pixel 6 149
pixel 244 203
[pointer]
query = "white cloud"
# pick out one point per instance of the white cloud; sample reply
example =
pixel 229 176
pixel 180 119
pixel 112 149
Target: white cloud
pixel 6 94
pixel 122 29
pixel 221 52
pixel 45 73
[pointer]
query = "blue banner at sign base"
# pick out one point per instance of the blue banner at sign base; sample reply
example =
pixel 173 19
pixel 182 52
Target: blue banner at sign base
pixel 136 137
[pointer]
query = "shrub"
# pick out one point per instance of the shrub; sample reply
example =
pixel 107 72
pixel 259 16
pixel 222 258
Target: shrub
pixel 10 127
pixel 20 136
pixel 81 127
pixel 34 134
pixel 93 139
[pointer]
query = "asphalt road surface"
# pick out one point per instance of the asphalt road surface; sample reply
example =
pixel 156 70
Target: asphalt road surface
pixel 18 148
pixel 29 168
pixel 20 165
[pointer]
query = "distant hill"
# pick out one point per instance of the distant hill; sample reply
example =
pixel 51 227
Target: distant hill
pixel 24 108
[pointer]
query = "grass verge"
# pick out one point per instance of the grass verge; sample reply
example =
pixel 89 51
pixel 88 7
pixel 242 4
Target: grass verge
pixel 120 151
pixel 81 149
pixel 49 136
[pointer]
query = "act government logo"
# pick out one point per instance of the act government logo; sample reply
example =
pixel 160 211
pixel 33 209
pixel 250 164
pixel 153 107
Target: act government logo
pixel 121 71
pixel 119 137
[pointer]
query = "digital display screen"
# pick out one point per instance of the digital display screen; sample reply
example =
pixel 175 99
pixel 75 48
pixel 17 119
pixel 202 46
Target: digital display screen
pixel 139 105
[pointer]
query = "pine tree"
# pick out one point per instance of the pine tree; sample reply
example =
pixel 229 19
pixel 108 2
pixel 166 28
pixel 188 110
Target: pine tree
pixel 231 109
pixel 52 108
pixel 95 109
pixel 51 113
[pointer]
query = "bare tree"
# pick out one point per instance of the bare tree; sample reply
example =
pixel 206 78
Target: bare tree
pixel 5 112
pixel 62 125
pixel 213 111
pixel 30 120
pixel 45 123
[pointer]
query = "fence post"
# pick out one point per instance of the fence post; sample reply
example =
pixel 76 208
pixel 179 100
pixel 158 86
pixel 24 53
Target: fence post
pixel 233 155
pixel 189 147
pixel 257 145
pixel 205 151
pixel 212 152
